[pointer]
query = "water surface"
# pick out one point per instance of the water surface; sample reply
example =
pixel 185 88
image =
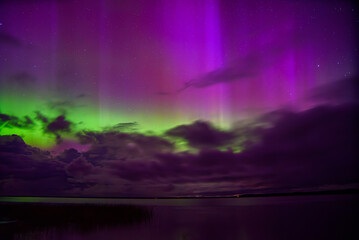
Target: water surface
pixel 291 217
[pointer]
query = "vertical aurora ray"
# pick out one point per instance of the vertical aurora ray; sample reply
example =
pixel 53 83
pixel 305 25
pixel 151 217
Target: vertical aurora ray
pixel 214 58
pixel 104 58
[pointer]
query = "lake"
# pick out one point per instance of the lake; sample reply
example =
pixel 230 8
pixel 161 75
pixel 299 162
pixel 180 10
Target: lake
pixel 256 218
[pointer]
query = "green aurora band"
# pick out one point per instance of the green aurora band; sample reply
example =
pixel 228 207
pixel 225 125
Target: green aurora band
pixel 85 115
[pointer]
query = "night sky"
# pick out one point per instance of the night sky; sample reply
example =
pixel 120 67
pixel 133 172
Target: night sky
pixel 177 98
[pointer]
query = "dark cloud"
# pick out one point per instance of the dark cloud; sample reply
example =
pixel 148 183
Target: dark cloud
pixel 340 91
pixel 123 127
pixel 162 93
pixel 25 170
pixel 177 168
pixel 12 144
pixel 10 40
pixel 82 95
pixel 10 121
pixel 57 126
pixel 41 117
pixel 21 80
pixel 32 1
pixel 201 134
pixel 68 155
pixel 169 188
pixel 309 150
pixel 312 149
pixel 119 145
pixel 248 66
pixel 71 101
pixel 79 167
pixel 226 74
pixel 5 117
pixel 63 104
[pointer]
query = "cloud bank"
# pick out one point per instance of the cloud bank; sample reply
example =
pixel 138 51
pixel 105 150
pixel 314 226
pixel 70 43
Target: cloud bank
pixel 309 150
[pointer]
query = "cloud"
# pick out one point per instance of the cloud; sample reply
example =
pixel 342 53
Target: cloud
pixel 57 126
pixel 201 134
pixel 339 91
pixel 68 155
pixel 32 1
pixel 10 40
pixel 247 66
pixel 312 148
pixel 70 102
pixel 63 104
pixel 238 70
pixel 123 127
pixel 177 168
pixel 109 145
pixel 21 80
pixel 41 117
pixel 79 167
pixel 10 121
pixel 25 170
pixel 308 150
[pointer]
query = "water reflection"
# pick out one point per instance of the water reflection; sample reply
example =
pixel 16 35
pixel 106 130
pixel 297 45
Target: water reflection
pixel 23 219
pixel 320 217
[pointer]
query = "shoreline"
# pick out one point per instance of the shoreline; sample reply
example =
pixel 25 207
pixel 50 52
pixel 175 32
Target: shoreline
pixel 308 193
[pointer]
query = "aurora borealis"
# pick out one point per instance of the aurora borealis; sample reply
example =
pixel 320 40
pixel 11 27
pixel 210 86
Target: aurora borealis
pixel 175 98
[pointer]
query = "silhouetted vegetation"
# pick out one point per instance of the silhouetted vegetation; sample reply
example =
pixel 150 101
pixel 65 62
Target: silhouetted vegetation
pixel 24 217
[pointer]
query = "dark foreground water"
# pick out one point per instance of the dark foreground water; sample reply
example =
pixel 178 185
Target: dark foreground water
pixel 299 217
